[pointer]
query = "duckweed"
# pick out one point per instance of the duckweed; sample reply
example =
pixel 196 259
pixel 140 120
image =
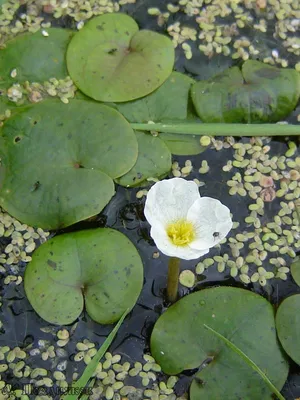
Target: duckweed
pixel 187 279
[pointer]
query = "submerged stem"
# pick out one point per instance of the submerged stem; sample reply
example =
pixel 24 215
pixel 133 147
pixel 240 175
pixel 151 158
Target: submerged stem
pixel 173 277
pixel 222 129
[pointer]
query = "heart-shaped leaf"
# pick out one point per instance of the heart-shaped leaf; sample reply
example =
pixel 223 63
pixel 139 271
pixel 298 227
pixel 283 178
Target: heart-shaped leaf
pixel 154 160
pixel 35 57
pixel 100 268
pixel 58 161
pixel 180 341
pixel 288 326
pixel 109 59
pixel 256 93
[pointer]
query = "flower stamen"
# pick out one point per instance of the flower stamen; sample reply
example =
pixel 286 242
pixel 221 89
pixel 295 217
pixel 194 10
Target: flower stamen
pixel 181 233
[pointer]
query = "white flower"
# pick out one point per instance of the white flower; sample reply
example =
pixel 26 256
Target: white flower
pixel 183 224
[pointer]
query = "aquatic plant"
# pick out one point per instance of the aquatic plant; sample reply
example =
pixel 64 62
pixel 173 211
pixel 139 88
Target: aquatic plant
pixel 245 319
pixel 183 224
pixel 99 269
pixel 59 161
pixel 90 369
pixel 287 325
pixel 164 121
pixel 109 59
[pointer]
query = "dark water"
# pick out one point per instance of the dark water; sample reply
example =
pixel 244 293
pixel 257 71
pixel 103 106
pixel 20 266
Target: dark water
pixel 21 326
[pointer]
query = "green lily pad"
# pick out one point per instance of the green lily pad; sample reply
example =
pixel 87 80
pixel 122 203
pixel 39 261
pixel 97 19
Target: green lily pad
pixel 288 326
pixel 58 161
pixel 154 160
pixel 168 102
pixel 295 271
pixel 180 342
pixel 35 57
pixel 182 145
pixel 100 268
pixel 6 104
pixel 109 59
pixel 256 93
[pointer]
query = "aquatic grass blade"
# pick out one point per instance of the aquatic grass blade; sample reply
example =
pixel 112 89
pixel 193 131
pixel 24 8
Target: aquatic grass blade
pixel 90 385
pixel 91 367
pixel 247 360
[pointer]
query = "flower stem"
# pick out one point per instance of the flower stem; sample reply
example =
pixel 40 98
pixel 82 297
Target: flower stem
pixel 213 129
pixel 173 275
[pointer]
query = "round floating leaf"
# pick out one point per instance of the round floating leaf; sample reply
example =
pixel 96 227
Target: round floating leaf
pixel 288 326
pixel 256 93
pixel 182 145
pixel 154 160
pixel 58 161
pixel 168 102
pixel 243 317
pixel 109 59
pixel 295 271
pixel 35 57
pixel 99 268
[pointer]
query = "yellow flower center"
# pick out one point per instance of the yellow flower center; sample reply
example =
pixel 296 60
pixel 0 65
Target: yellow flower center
pixel 181 233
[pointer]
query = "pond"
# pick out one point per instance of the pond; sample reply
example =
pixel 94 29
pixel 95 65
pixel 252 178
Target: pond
pixel 161 351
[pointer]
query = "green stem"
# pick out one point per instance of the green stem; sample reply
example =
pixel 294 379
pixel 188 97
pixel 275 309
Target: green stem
pixel 248 361
pixel 173 276
pixel 222 129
